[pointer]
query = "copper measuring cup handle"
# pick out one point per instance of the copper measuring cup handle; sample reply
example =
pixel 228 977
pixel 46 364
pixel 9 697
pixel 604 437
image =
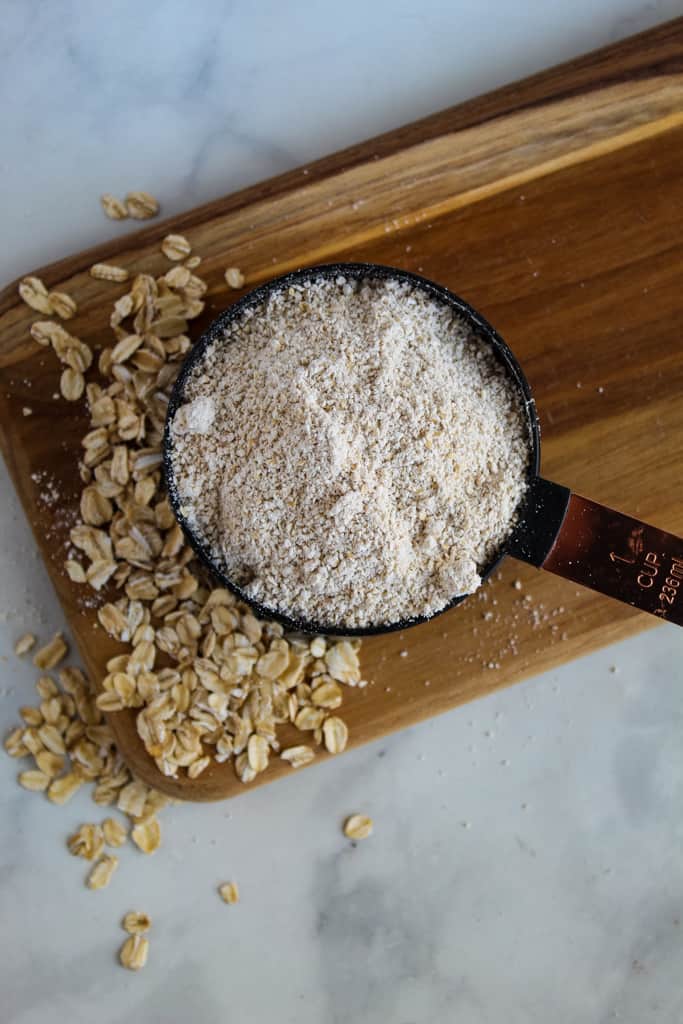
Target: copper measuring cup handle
pixel 602 549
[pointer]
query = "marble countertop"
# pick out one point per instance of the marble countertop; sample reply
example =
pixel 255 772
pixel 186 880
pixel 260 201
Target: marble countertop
pixel 526 862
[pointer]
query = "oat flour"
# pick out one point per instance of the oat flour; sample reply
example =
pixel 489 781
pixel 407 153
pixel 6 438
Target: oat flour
pixel 351 453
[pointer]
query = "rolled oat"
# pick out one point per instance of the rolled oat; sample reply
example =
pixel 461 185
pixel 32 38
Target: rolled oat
pixel 113 207
pixel 101 874
pixel 134 952
pixel 141 205
pixel 358 826
pixel 229 892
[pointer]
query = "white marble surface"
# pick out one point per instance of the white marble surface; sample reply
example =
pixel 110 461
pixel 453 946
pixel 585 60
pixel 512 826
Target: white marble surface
pixel 526 864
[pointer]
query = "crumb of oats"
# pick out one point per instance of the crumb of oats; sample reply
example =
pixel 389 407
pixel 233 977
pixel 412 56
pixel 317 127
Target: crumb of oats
pixel 517 584
pixel 229 892
pixel 27 411
pixel 234 277
pixel 358 826
pixel 403 654
pixel 24 644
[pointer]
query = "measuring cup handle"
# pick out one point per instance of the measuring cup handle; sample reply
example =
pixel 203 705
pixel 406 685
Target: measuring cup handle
pixel 602 549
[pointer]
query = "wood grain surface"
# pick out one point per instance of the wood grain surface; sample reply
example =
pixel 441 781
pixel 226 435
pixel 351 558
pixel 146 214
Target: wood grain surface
pixel 555 207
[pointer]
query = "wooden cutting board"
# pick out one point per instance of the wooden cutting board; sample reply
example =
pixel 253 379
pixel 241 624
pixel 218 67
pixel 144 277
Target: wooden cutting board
pixel 555 206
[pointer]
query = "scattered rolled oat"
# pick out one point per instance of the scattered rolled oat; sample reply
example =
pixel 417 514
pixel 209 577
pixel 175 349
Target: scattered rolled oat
pixel 318 647
pixel 101 874
pixel 32 716
pixel 328 695
pixel 178 277
pixel 47 688
pixel 308 718
pixel 34 780
pixel 298 756
pixel 87 842
pixel 45 331
pixel 207 680
pixel 71 384
pixel 68 720
pixel 35 294
pixel 229 892
pixel 62 304
pixel 358 826
pixel 234 277
pixel 62 789
pixel 247 678
pixel 195 768
pixel 114 832
pixel 125 348
pixel 147 835
pixel 14 743
pixel 257 752
pixel 108 272
pixel 336 735
pixel 113 207
pixel 50 763
pixel 24 644
pixel 75 571
pixel 51 654
pixel 133 953
pixel 136 923
pixel 141 205
pixel 132 798
pixel 342 663
pixel 176 247
pixel 70 351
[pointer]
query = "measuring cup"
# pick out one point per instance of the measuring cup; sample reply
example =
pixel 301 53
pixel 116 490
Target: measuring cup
pixel 555 529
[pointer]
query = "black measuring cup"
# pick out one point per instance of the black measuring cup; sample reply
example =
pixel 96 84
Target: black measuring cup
pixel 555 529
